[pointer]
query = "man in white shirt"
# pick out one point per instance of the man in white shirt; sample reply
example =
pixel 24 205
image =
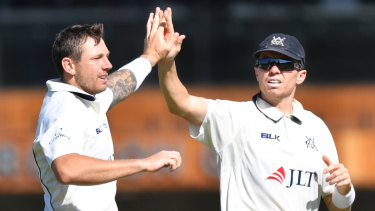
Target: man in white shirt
pixel 73 147
pixel 271 153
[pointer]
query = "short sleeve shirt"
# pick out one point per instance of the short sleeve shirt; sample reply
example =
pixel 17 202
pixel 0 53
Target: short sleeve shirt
pixel 73 121
pixel 267 160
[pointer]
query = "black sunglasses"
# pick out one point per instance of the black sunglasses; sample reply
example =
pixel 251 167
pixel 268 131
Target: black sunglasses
pixel 282 64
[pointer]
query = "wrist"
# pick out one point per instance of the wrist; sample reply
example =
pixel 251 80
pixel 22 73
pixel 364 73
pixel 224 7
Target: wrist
pixel 343 201
pixel 166 62
pixel 152 58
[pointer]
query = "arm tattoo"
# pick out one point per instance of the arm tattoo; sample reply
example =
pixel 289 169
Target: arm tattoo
pixel 122 83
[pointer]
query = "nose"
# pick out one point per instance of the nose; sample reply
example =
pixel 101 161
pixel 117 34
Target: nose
pixel 274 69
pixel 107 64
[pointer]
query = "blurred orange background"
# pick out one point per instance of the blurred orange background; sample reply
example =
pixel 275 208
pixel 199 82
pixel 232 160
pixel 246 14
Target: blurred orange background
pixel 142 125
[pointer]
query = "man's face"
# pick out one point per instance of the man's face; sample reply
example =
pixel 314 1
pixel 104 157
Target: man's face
pixel 276 85
pixel 92 70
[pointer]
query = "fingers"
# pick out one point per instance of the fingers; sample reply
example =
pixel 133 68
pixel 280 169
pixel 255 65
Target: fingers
pixel 148 25
pixel 173 40
pixel 174 160
pixel 338 175
pixel 329 168
pixel 168 19
pixel 180 39
pixel 161 41
pixel 177 47
pixel 341 179
pixel 156 20
pixel 326 160
pixel 163 159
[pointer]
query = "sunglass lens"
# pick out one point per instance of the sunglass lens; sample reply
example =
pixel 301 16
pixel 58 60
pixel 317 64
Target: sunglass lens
pixel 265 66
pixel 285 66
pixel 282 64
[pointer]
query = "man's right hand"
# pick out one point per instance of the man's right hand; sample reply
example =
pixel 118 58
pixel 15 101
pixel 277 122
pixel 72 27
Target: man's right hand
pixel 159 39
pixel 168 32
pixel 162 159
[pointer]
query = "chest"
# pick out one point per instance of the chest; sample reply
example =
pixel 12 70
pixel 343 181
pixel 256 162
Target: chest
pixel 98 141
pixel 284 152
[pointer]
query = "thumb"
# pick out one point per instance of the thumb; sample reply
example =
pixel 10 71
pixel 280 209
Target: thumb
pixel 181 38
pixel 171 42
pixel 326 160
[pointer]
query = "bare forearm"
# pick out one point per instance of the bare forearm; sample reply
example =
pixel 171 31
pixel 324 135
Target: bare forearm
pixel 82 170
pixel 179 101
pixel 175 93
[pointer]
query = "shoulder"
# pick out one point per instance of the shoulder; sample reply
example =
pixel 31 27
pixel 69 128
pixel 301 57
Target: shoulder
pixel 315 122
pixel 231 108
pixel 308 115
pixel 230 103
pixel 64 99
pixel 105 98
pixel 61 104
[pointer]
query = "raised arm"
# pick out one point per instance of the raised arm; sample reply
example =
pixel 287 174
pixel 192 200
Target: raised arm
pixel 178 99
pixel 128 78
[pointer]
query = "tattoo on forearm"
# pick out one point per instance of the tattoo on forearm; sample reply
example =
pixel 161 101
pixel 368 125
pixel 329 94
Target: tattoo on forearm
pixel 122 83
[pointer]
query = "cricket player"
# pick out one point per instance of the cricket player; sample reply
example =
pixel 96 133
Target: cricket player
pixel 73 146
pixel 272 154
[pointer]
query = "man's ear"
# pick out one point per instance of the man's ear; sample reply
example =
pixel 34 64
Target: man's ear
pixel 68 65
pixel 256 73
pixel 301 76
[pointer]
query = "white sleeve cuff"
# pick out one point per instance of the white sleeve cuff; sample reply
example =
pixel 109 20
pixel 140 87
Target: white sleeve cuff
pixel 140 67
pixel 343 201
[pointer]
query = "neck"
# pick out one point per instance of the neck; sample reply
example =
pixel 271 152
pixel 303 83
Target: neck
pixel 283 104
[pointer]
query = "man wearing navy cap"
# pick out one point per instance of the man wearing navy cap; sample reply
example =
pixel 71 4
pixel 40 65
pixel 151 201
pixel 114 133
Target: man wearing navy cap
pixel 272 154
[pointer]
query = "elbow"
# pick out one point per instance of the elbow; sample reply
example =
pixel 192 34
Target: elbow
pixel 177 111
pixel 63 176
pixel 173 110
pixel 177 106
pixel 64 179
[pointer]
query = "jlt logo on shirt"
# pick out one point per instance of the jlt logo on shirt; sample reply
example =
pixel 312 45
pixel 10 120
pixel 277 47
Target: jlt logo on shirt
pixel 296 177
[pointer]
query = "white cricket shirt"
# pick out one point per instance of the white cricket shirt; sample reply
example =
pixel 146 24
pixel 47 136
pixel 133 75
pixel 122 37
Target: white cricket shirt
pixel 73 121
pixel 267 160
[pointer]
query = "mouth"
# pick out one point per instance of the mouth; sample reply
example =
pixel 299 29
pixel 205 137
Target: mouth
pixel 274 82
pixel 103 78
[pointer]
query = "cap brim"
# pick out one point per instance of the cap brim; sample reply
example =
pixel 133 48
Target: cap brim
pixel 286 53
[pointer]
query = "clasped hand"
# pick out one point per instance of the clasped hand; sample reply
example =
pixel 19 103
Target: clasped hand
pixel 161 41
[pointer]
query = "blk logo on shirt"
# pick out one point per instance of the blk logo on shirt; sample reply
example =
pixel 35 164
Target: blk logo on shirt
pixel 296 177
pixel 270 136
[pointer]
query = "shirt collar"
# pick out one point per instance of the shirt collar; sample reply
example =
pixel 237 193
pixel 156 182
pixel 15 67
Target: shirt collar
pixel 274 114
pixel 56 85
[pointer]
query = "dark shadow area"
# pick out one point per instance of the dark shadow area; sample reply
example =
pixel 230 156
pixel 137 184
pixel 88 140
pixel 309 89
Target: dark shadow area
pixel 163 201
pixel 220 38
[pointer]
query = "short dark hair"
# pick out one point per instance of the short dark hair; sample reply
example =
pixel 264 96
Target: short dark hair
pixel 69 41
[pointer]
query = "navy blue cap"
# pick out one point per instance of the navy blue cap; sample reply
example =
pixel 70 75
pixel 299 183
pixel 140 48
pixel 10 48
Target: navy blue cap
pixel 285 44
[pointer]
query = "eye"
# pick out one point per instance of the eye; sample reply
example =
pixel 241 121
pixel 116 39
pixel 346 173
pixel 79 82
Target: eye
pixel 97 57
